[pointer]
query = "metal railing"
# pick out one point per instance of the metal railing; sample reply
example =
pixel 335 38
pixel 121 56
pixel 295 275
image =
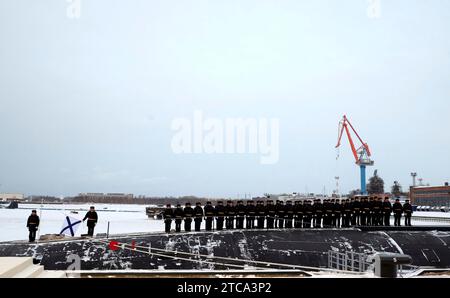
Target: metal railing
pixel 348 261
pixel 431 219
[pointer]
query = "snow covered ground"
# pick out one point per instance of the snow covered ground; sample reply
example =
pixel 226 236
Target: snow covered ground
pixel 122 218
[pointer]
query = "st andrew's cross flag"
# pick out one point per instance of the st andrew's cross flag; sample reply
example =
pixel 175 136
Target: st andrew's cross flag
pixel 70 226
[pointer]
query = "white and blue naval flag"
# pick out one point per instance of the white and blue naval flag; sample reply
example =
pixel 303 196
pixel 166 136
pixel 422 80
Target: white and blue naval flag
pixel 70 226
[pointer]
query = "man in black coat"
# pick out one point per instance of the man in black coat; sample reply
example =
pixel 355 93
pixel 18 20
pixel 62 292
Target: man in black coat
pixel 168 215
pixel 377 206
pixel 387 210
pixel 327 214
pixel 188 215
pixel 407 209
pixel 92 219
pixel 318 213
pixel 270 213
pixel 240 214
pixel 347 214
pixel 209 216
pixel 280 215
pixel 220 213
pixel 289 214
pixel 198 216
pixel 332 221
pixel 260 214
pixel 178 214
pixel 230 212
pixel 298 214
pixel 356 221
pixel 365 210
pixel 308 214
pixel 398 210
pixel 251 214
pixel 32 225
pixel 337 210
pixel 370 220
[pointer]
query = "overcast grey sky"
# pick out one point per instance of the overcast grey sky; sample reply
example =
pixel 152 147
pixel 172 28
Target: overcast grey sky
pixel 86 104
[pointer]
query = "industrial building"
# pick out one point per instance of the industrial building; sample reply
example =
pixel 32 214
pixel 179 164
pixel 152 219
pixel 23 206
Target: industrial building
pixel 433 196
pixel 17 197
pixel 105 196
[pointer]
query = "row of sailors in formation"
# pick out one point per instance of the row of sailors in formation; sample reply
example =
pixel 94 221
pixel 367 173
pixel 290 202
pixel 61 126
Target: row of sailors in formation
pixel 331 213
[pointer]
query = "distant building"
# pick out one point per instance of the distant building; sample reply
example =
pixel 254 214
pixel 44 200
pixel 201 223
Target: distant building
pixel 11 197
pixel 433 196
pixel 107 197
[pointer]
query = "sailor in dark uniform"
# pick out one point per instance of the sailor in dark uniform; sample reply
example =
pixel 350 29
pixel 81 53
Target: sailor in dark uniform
pixel 333 213
pixel 365 210
pixel 209 216
pixel 398 210
pixel 188 215
pixel 280 214
pixel 289 214
pixel 271 212
pixel 32 225
pixel 337 213
pixel 240 215
pixel 230 212
pixel 308 214
pixel 260 214
pixel 377 211
pixel 168 215
pixel 370 221
pixel 387 210
pixel 347 214
pixel 251 215
pixel 178 214
pixel 298 214
pixel 327 214
pixel 92 219
pixel 318 212
pixel 407 209
pixel 220 213
pixel 356 212
pixel 198 216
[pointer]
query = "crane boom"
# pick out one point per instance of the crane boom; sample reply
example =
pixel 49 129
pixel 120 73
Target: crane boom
pixel 362 154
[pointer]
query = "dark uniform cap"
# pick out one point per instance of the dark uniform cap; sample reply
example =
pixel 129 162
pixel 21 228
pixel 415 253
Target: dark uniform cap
pixel 229 202
pixel 219 202
pixel 188 204
pixel 178 205
pixel 198 203
pixel 167 205
pixel 249 202
pixel 33 211
pixel 397 200
pixel 289 202
pixel 208 203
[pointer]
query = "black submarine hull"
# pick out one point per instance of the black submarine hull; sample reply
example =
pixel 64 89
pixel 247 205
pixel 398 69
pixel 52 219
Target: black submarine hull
pixel 428 247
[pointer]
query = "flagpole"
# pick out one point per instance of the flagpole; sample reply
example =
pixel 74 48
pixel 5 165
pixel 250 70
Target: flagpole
pixel 40 221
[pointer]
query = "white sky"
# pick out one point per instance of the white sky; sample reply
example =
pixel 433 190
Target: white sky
pixel 86 104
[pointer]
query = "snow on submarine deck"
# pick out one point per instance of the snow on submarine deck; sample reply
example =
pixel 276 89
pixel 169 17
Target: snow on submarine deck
pixel 428 247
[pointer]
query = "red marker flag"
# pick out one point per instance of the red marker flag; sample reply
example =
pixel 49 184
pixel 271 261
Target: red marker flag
pixel 113 245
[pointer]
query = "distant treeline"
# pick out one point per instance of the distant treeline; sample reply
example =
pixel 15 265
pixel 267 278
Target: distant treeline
pixel 139 200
